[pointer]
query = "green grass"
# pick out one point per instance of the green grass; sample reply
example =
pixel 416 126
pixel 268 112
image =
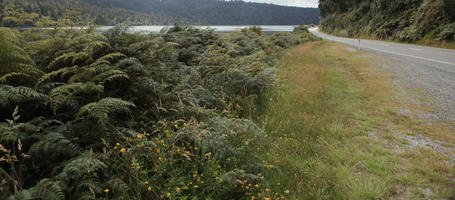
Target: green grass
pixel 319 124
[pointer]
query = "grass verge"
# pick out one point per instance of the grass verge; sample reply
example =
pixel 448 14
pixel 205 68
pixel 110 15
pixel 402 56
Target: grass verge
pixel 328 128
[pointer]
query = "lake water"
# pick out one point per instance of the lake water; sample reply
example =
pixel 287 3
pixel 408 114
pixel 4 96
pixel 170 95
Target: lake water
pixel 219 29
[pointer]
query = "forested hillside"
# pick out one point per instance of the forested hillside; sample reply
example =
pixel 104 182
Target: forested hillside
pixel 147 12
pixel 404 20
pixel 136 116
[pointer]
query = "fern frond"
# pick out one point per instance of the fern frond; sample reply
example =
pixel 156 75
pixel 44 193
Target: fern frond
pixel 111 75
pixel 48 189
pixel 13 58
pixel 131 64
pixel 53 144
pixel 86 196
pixel 85 165
pixel 111 57
pixel 90 184
pixel 69 59
pixel 60 72
pixel 118 186
pixel 10 95
pixel 104 110
pixel 61 60
pixel 100 62
pixel 60 94
pixel 95 46
pixel 4 78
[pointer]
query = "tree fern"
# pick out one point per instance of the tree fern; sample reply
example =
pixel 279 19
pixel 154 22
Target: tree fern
pixel 60 94
pixel 105 109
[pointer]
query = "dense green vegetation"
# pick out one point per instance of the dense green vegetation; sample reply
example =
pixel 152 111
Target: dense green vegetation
pixel 136 116
pixel 404 20
pixel 152 12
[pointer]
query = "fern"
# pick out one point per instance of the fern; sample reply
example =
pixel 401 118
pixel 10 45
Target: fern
pixel 111 57
pixel 131 65
pixel 13 96
pixel 118 186
pixel 60 73
pixel 104 110
pixel 13 59
pixel 49 190
pixel 60 94
pixel 70 59
pixel 4 79
pixel 100 62
pixel 83 167
pixel 110 75
pixel 53 144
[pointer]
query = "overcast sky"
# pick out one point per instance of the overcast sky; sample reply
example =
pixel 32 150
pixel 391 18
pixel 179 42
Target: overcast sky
pixel 299 3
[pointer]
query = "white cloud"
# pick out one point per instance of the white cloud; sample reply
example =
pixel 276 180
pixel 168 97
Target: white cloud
pixel 298 3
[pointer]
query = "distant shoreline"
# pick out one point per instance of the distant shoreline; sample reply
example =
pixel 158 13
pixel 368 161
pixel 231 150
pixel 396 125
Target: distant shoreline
pixel 158 28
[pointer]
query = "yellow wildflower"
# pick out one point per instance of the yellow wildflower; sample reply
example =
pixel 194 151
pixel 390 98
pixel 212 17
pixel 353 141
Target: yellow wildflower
pixel 195 186
pixel 238 106
pixel 139 136
pixel 123 150
pixel 149 188
pixel 168 194
pixel 146 182
pixel 106 190
pixel 178 189
pixel 138 167
pixel 118 144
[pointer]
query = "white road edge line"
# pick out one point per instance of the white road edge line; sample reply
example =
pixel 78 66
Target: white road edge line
pixel 401 54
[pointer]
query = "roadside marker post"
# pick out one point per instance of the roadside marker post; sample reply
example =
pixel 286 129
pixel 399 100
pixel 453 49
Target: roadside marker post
pixel 359 44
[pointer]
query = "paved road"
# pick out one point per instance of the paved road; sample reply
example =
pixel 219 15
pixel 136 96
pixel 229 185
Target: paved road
pixel 418 68
pixel 437 55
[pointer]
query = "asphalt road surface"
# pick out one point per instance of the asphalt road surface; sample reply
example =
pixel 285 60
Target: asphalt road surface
pixel 431 70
